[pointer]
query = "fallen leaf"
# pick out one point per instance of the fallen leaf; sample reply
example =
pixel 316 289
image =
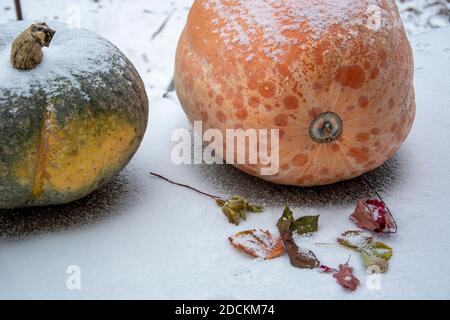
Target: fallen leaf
pixel 326 269
pixel 307 224
pixel 373 253
pixel 376 254
pixel 287 217
pixel 236 207
pixel 355 239
pixel 346 278
pixel 258 244
pixel 299 258
pixel 373 215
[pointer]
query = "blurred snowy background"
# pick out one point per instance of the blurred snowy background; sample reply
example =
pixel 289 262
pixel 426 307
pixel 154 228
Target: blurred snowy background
pixel 147 31
pixel 424 15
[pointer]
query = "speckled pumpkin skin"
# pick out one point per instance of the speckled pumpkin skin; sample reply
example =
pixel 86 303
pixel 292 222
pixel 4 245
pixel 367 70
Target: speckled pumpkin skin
pixel 366 79
pixel 59 147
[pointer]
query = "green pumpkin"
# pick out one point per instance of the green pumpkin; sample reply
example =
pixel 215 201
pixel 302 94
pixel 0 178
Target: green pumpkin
pixel 71 115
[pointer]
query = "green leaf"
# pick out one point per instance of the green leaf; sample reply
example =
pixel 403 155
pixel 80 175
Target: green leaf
pixel 373 253
pixel 307 224
pixel 355 239
pixel 379 249
pixel 255 208
pixel 371 260
pixel 233 216
pixel 286 219
pixel 236 208
pixel 300 258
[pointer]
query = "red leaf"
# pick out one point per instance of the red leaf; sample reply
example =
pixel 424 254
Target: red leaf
pixel 258 244
pixel 346 278
pixel 326 269
pixel 373 215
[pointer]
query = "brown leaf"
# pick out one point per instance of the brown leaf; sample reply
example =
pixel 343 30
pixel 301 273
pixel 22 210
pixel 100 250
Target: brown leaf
pixel 346 278
pixel 258 244
pixel 299 258
pixel 373 215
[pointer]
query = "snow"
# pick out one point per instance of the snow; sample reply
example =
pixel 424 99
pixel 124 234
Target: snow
pixel 140 237
pixel 356 239
pixel 73 53
pixel 258 241
pixel 240 20
pixel 130 25
pixel 133 27
pixel 424 15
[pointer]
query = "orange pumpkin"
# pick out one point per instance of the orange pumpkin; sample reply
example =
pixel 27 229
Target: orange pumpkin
pixel 335 77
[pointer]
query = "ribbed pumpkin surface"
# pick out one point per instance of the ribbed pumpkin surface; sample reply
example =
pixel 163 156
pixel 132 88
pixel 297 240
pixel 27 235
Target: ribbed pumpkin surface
pixel 70 124
pixel 286 64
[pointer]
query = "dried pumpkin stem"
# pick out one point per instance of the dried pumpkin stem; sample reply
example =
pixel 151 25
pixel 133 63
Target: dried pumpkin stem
pixel 26 51
pixel 185 186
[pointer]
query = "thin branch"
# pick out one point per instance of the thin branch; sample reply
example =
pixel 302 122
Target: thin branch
pixel 325 244
pixel 389 210
pixel 348 261
pixel 170 87
pixel 185 186
pixel 18 10
pixel 163 25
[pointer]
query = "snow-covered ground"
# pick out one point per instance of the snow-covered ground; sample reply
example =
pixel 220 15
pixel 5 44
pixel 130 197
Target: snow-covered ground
pixel 424 15
pixel 140 237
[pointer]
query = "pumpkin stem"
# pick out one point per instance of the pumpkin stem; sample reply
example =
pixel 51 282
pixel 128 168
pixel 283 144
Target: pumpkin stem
pixel 26 51
pixel 326 127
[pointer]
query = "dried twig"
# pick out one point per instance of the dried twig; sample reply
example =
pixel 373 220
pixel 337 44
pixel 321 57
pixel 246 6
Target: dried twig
pixel 18 10
pixel 387 208
pixel 163 25
pixel 185 186
pixel 170 88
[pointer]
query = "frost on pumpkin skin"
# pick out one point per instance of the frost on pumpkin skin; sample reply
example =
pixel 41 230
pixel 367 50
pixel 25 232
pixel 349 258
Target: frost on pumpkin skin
pixel 285 81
